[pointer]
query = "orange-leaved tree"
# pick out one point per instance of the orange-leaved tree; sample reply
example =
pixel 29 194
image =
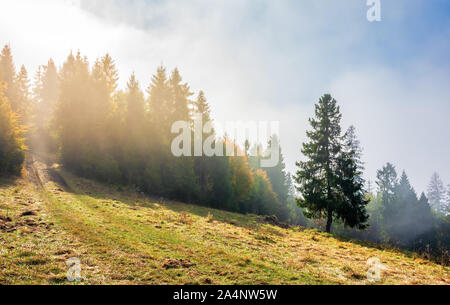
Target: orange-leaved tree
pixel 12 147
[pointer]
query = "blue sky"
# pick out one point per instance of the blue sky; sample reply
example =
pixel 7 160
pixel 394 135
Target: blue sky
pixel 272 60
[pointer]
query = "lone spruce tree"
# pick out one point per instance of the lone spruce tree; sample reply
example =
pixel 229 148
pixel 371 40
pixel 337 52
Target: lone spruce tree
pixel 329 179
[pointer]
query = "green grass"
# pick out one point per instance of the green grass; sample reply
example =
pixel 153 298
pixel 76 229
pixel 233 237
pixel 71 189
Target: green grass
pixel 122 237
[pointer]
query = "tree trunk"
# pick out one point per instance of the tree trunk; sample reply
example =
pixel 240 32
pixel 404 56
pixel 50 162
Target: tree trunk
pixel 329 221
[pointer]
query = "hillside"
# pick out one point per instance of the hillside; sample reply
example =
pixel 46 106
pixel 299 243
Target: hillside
pixel 122 237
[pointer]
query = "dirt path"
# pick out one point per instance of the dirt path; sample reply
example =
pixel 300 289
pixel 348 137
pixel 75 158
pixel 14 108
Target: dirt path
pixel 41 172
pixel 32 173
pixel 34 248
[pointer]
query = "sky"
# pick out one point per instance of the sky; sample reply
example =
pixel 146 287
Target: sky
pixel 272 60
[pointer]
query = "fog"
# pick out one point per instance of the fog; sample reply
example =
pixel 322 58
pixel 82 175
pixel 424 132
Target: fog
pixel 272 60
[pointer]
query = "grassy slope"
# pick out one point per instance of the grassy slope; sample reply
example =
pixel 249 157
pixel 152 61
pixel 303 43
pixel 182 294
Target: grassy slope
pixel 125 238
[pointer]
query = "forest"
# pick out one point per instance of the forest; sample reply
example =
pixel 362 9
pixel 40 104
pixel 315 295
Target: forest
pixel 77 113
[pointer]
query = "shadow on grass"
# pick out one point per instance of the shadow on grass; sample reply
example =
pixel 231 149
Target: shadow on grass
pixel 8 181
pixel 381 246
pixel 102 191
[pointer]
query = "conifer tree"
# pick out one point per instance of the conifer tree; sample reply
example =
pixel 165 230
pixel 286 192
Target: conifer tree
pixel 105 70
pixel 45 95
pixel 424 206
pixel 352 146
pixel 45 88
pixel 180 97
pixel 8 75
pixel 326 178
pixel 399 214
pixel 405 191
pixel 349 172
pixel 23 98
pixel 134 129
pixel 135 102
pixel 387 182
pixel 436 193
pixel 202 107
pixel 423 217
pixel 221 177
pixel 160 104
pixel 277 173
pixel 104 83
pixel 447 207
pixel 181 169
pixel 73 117
pixel 203 164
pixel 168 102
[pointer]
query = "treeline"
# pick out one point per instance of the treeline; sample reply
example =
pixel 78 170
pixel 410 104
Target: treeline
pixel 402 218
pixel 123 136
pixel 13 105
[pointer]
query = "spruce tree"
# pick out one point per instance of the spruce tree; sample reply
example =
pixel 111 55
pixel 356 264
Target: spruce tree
pixel 160 105
pixel 203 164
pixel 180 98
pixel 45 95
pixel 183 181
pixel 423 216
pixel 46 87
pixel 424 206
pixel 202 107
pixel 23 98
pixel 221 188
pixel 168 102
pixel 436 193
pixel 387 182
pixel 351 182
pixel 399 216
pixel 134 133
pixel 135 103
pixel 73 116
pixel 405 191
pixel 8 77
pixel 353 146
pixel 326 179
pixel 109 73
pixel 277 174
pixel 447 207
